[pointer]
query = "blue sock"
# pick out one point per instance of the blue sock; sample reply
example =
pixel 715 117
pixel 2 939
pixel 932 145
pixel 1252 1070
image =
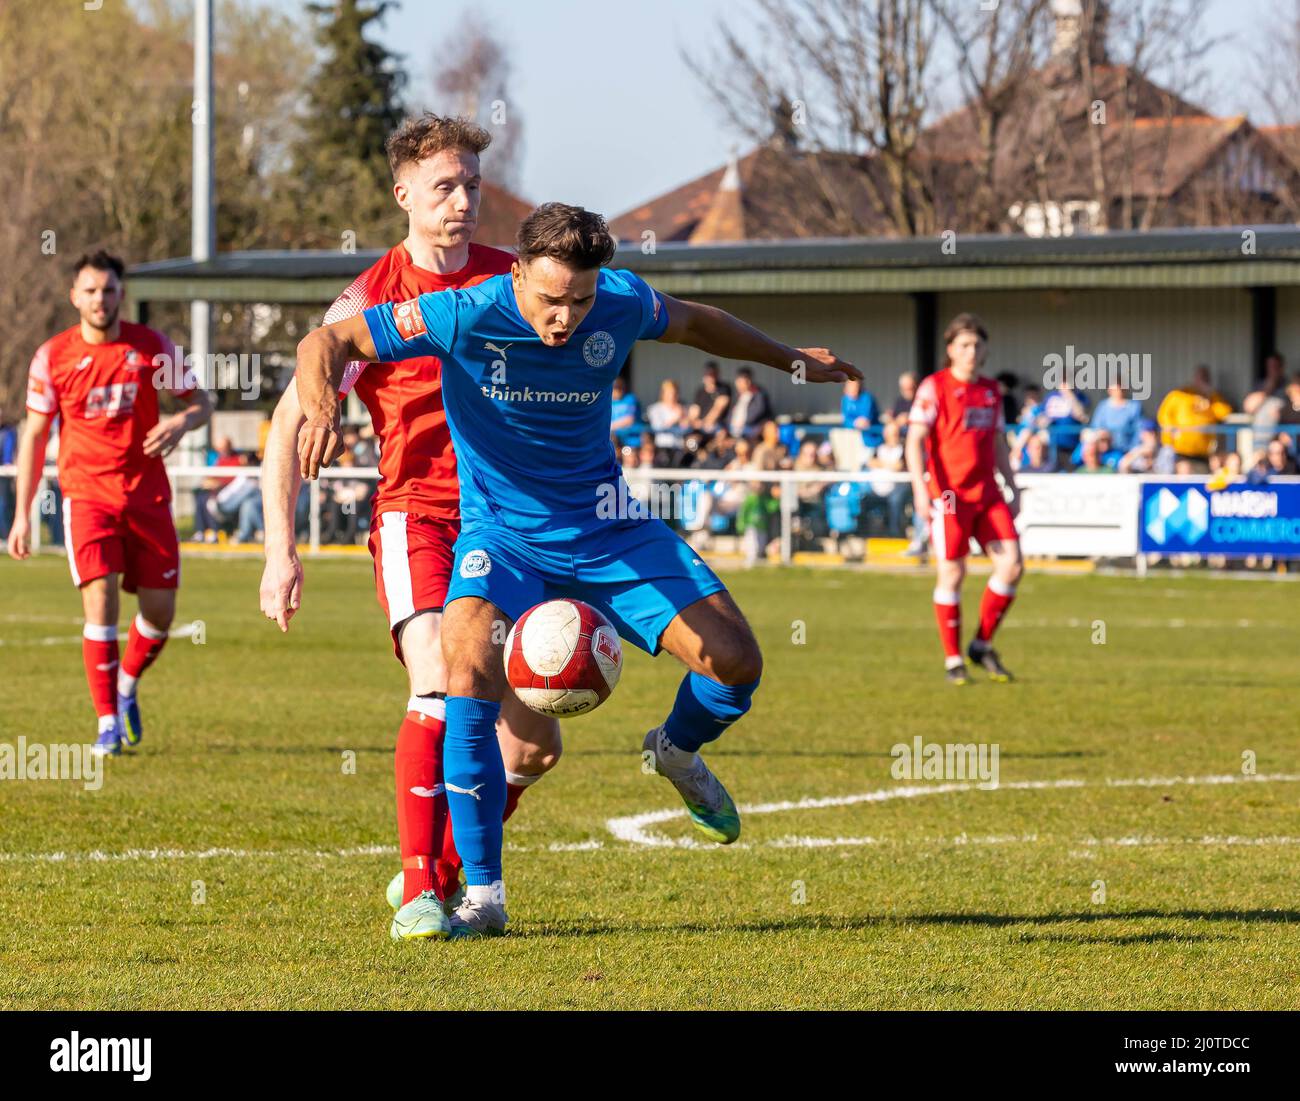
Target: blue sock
pixel 471 762
pixel 704 709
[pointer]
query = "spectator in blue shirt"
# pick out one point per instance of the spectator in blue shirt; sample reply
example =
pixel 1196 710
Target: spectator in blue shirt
pixel 861 412
pixel 625 413
pixel 1121 416
pixel 1064 412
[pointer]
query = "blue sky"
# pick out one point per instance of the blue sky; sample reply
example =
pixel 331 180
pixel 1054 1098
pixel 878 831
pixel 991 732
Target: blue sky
pixel 613 116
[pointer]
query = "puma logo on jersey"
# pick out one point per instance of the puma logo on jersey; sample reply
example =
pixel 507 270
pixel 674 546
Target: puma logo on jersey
pixel 466 791
pixel 490 347
pixel 428 793
pixel 86 361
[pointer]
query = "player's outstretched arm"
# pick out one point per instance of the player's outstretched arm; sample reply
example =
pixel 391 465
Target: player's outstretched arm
pixel 281 590
pixel 322 356
pixel 30 460
pixel 718 333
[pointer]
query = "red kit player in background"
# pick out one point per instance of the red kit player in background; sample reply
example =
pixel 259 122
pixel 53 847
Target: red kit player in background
pixel 416 510
pixel 102 377
pixel 959 413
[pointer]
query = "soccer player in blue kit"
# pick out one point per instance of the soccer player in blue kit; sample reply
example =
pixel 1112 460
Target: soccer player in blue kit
pixel 528 362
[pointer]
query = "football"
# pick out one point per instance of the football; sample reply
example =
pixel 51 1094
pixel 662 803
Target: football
pixel 563 658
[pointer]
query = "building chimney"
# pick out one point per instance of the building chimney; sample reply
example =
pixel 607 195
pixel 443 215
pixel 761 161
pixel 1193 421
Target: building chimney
pixel 1074 19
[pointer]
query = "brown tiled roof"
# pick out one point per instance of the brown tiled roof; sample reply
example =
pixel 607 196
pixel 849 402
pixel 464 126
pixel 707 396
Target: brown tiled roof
pixel 1286 139
pixel 501 213
pixel 783 194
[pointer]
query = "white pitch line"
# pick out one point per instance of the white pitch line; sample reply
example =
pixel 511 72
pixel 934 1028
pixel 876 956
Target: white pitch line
pixel 633 828
pixel 632 831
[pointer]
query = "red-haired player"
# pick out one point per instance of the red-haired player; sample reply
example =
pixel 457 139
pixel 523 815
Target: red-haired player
pixel 416 510
pixel 959 412
pixel 101 378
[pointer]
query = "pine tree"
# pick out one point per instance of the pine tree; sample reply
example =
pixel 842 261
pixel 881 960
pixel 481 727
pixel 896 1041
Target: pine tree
pixel 341 172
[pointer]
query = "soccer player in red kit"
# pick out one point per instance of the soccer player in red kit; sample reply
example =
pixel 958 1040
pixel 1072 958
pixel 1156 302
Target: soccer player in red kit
pixel 101 378
pixel 959 413
pixel 416 510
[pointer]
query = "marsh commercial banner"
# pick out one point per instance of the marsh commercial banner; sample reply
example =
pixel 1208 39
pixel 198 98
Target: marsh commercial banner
pixel 1182 517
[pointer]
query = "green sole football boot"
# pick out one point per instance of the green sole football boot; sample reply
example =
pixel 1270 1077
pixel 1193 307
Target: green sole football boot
pixel 711 808
pixel 423 918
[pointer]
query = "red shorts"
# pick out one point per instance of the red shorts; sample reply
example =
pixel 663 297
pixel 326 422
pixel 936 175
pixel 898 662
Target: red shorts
pixel 413 562
pixel 137 541
pixel 951 530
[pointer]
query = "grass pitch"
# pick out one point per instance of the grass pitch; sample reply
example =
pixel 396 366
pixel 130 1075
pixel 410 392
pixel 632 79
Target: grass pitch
pixel 234 862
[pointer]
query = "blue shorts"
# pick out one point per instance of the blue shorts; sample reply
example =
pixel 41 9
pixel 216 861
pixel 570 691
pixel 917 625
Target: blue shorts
pixel 639 573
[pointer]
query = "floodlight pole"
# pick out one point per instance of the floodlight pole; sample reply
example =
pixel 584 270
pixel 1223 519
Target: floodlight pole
pixel 203 238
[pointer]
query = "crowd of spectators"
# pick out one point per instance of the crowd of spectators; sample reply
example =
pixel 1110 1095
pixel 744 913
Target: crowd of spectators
pixel 731 428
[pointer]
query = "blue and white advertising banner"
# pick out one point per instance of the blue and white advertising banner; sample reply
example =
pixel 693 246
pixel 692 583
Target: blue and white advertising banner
pixel 1240 519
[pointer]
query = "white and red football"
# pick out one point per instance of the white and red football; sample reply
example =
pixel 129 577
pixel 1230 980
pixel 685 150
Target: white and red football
pixel 563 658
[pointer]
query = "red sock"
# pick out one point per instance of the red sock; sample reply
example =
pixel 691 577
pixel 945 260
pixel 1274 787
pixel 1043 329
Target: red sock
pixel 448 867
pixel 421 814
pixel 947 612
pixel 513 792
pixel 997 599
pixel 143 645
pixel 99 652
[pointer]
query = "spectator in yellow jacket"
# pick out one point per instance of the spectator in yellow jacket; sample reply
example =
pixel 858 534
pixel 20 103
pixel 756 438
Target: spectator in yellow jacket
pixel 1187 419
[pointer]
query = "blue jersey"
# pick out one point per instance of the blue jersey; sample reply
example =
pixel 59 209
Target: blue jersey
pixel 530 423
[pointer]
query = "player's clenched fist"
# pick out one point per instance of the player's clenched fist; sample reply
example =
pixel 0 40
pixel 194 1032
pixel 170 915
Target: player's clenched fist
pixel 319 444
pixel 823 365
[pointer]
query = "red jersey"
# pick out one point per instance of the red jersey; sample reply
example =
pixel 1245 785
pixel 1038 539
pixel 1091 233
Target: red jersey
pixel 965 419
pixel 417 466
pixel 106 396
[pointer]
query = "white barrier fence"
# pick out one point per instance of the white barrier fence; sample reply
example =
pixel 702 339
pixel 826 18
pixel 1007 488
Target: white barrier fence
pixel 1062 515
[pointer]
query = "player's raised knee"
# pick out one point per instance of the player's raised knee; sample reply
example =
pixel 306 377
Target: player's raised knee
pixel 736 660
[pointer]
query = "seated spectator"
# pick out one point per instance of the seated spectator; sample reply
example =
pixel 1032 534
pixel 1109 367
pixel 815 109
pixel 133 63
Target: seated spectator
pixel 1029 406
pixel 240 500
pixel 1091 460
pixel 1063 412
pixel 1148 457
pixel 1188 417
pixel 902 407
pixel 648 454
pixel 889 458
pixel 1109 454
pixel 1121 416
pixel 721 449
pixel 770 453
pixel 667 417
pixel 858 408
pixel 750 407
pixel 1271 385
pixel 346 505
pixel 625 412
pixel 206 526
pixel 708 411
pixel 1034 456
pixel 1225 469
pixel 1278 456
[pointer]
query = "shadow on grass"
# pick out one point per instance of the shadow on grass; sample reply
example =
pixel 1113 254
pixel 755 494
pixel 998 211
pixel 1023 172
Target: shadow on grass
pixel 827 923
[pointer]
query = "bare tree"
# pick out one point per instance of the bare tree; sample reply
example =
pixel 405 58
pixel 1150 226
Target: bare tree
pixel 1142 41
pixel 476 86
pixel 1276 55
pixel 853 73
pixel 997 52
